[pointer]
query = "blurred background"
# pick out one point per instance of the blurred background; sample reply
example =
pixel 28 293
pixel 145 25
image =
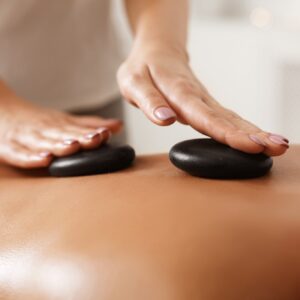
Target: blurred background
pixel 247 53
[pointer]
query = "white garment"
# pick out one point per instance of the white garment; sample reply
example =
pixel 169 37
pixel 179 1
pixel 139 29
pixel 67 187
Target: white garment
pixel 59 53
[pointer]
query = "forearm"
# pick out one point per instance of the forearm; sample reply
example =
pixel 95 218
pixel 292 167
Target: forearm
pixel 158 22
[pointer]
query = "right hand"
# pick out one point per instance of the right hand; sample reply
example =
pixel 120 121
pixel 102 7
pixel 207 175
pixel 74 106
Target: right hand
pixel 158 79
pixel 30 136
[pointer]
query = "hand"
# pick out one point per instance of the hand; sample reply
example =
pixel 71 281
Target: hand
pixel 159 81
pixel 30 136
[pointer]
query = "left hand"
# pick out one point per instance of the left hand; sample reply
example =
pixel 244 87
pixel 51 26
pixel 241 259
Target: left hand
pixel 160 82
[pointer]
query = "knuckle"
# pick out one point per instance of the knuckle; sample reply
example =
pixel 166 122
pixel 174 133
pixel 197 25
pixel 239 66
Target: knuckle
pixel 129 81
pixel 211 115
pixel 134 78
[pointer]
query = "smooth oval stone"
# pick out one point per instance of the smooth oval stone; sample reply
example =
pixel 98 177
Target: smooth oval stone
pixel 211 159
pixel 105 159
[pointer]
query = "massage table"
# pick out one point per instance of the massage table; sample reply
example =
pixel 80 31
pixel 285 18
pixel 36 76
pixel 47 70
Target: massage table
pixel 151 232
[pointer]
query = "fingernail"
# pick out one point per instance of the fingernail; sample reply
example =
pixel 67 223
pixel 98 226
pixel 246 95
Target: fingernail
pixel 280 136
pixel 278 140
pixel 257 140
pixel 91 135
pixel 69 142
pixel 45 154
pixel 164 113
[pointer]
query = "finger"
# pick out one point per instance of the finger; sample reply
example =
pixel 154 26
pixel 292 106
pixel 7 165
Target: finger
pixel 142 91
pixel 105 134
pixel 206 115
pixel 182 120
pixel 69 138
pixel 186 98
pixel 94 122
pixel 19 156
pixel 206 120
pixel 37 142
pixel 87 139
pixel 274 144
pixel 95 138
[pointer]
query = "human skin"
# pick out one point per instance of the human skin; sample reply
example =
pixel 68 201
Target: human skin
pixel 30 136
pixel 157 74
pixel 156 77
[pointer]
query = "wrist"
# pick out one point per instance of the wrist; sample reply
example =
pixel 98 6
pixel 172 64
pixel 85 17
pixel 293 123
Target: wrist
pixel 150 46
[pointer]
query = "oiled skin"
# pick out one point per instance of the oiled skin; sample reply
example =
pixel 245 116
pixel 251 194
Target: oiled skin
pixel 151 232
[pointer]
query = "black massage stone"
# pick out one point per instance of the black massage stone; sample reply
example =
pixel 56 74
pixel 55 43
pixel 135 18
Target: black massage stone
pixel 105 159
pixel 211 159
